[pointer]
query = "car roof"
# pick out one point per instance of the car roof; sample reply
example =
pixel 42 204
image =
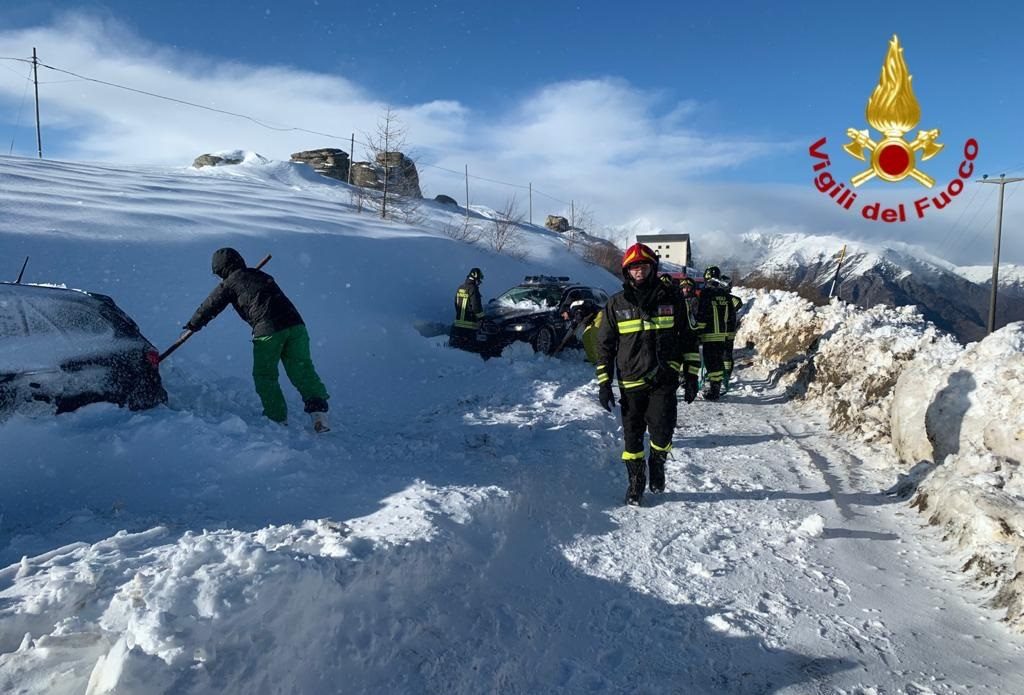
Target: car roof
pixel 14 297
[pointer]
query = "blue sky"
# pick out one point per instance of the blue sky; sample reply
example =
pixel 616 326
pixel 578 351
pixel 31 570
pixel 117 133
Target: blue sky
pixel 707 110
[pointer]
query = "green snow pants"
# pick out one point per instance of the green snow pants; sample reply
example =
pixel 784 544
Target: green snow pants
pixel 291 346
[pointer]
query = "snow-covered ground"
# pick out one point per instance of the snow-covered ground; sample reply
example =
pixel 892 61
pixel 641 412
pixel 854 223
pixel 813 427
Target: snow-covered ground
pixel 461 528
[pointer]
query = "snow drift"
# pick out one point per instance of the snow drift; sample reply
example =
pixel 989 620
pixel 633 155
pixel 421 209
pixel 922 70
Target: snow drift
pixel 952 414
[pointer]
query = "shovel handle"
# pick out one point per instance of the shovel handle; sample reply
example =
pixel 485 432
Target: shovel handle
pixel 188 334
pixel 177 344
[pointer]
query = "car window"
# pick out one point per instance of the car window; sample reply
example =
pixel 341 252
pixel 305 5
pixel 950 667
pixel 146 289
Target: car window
pixel 573 295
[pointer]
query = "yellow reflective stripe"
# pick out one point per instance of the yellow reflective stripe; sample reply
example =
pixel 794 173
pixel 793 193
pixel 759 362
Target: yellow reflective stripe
pixel 466 324
pixel 667 447
pixel 632 456
pixel 713 338
pixel 695 370
pixel 637 325
pixel 603 378
pixel 630 326
pixel 691 357
pixel 714 376
pixel 602 368
pixel 632 384
pixel 675 365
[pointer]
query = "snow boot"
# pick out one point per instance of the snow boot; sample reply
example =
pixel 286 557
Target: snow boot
pixel 714 391
pixel 656 466
pixel 637 481
pixel 320 423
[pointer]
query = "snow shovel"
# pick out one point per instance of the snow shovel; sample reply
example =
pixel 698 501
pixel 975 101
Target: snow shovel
pixel 188 334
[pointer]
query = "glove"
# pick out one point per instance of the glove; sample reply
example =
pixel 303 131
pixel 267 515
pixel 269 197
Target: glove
pixel 605 396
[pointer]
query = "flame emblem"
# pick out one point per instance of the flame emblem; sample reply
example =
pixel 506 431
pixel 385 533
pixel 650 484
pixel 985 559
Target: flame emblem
pixel 893 111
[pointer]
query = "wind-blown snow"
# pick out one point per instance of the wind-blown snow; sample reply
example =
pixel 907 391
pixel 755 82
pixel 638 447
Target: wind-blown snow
pixel 461 528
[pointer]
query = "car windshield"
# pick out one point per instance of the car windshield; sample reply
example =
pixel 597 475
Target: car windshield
pixel 531 297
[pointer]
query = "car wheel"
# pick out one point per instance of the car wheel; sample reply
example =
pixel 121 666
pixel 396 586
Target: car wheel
pixel 544 341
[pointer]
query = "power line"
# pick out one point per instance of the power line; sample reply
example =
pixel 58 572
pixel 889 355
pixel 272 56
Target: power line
pixel 264 124
pixel 193 104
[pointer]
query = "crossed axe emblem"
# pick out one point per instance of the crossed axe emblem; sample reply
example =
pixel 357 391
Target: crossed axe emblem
pixel 860 140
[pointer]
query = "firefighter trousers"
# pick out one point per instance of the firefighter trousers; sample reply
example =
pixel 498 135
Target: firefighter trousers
pixel 652 410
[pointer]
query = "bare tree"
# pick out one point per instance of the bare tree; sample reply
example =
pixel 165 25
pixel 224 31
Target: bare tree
pixel 459 229
pixel 583 221
pixel 503 234
pixel 397 178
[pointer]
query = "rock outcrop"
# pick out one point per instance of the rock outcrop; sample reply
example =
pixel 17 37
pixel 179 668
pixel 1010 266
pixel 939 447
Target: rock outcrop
pixel 213 160
pixel 327 161
pixel 557 223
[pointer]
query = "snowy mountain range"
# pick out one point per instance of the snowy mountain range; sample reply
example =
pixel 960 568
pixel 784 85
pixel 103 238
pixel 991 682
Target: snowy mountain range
pixel 893 274
pixel 954 298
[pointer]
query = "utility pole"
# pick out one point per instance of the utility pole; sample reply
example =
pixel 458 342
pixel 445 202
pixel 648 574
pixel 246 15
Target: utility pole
pixel 35 78
pixel 842 255
pixel 1002 181
pixel 467 195
pixel 351 158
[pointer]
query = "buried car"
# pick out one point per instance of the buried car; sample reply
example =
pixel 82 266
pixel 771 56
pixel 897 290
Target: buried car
pixel 535 311
pixel 61 349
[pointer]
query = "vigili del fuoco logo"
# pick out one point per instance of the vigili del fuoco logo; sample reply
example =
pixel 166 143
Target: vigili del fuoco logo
pixel 893 111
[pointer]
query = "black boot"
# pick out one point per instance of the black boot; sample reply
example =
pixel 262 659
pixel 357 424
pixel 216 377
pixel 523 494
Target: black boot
pixel 656 464
pixel 637 481
pixel 714 391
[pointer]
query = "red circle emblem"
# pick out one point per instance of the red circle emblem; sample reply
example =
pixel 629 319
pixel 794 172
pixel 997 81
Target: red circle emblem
pixel 894 160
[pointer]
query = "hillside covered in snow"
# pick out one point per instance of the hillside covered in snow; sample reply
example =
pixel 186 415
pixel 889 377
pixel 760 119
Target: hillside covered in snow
pixel 846 520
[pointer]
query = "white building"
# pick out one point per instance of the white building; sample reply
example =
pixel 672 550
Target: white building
pixel 671 248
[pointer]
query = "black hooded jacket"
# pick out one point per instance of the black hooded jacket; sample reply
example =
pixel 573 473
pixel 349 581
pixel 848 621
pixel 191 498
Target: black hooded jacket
pixel 253 293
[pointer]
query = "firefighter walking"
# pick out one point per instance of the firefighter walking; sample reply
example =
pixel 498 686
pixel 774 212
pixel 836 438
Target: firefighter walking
pixel 638 342
pixel 713 322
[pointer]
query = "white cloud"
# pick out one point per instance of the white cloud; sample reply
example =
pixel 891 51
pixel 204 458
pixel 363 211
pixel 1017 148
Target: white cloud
pixel 622 151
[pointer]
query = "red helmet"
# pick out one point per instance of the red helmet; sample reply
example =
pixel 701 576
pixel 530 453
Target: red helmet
pixel 639 253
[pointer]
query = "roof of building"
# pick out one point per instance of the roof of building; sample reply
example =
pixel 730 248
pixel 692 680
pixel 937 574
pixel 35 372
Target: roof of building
pixel 664 238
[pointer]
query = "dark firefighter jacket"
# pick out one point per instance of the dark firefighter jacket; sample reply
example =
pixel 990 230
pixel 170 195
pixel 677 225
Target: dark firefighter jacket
pixel 734 321
pixel 637 342
pixel 253 293
pixel 468 307
pixel 713 315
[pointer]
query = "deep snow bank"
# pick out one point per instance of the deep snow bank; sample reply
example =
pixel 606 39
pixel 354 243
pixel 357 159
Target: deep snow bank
pixel 952 414
pixel 130 615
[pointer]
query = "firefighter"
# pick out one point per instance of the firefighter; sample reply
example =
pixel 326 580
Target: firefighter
pixel 713 324
pixel 468 312
pixel 691 340
pixel 278 335
pixel 638 341
pixel 735 303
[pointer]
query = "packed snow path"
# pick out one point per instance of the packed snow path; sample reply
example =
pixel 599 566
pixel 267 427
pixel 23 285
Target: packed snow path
pixel 772 564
